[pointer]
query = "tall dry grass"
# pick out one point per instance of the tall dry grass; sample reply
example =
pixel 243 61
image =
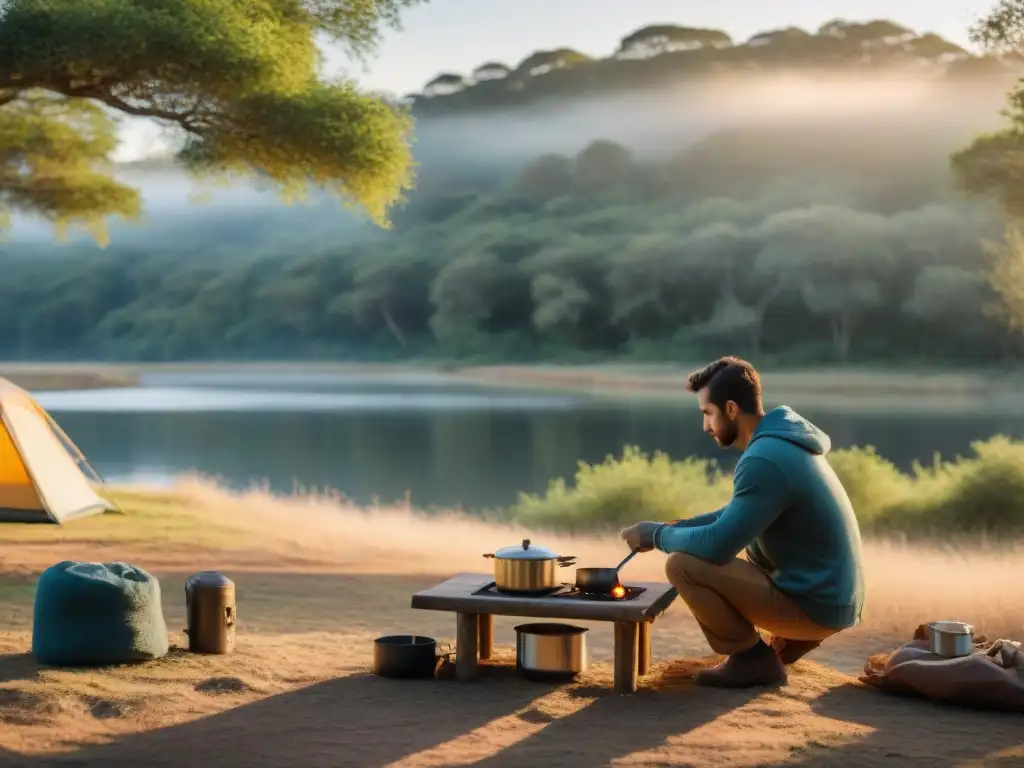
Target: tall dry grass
pixel 907 583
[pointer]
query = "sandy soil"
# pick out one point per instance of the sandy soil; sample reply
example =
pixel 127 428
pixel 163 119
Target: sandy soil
pixel 317 581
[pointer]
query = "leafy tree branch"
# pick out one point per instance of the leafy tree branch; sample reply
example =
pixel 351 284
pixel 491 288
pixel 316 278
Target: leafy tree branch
pixel 238 82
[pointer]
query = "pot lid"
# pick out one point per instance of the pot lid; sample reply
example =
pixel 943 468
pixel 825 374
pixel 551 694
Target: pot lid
pixel 525 551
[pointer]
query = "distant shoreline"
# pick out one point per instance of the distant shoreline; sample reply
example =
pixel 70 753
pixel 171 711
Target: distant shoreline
pixel 39 377
pixel 825 387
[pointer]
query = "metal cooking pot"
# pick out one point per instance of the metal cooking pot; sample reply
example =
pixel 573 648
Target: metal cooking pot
pixel 404 656
pixel 951 639
pixel 601 580
pixel 551 651
pixel 527 568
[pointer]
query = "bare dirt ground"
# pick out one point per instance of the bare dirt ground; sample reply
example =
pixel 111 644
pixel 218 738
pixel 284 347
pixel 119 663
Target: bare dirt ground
pixel 318 580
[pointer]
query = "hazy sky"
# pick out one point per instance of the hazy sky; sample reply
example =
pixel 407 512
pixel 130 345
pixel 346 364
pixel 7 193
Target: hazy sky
pixel 459 35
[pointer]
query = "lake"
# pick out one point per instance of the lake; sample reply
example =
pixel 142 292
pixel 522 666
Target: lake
pixel 445 441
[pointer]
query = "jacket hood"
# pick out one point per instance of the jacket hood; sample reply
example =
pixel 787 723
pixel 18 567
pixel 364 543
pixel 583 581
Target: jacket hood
pixel 786 424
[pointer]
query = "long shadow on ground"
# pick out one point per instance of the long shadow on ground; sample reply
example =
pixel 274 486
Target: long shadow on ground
pixel 365 721
pixel 954 736
pixel 502 720
pixel 612 727
pixel 360 720
pixel 17 666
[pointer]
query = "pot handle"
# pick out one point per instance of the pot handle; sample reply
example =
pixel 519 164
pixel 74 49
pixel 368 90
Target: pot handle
pixel 566 561
pixel 489 554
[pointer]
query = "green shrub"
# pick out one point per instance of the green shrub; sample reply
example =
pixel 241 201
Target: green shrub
pixel 625 490
pixel 873 483
pixel 982 493
pixel 979 494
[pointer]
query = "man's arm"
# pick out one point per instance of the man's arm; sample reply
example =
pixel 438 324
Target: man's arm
pixel 697 520
pixel 689 522
pixel 760 494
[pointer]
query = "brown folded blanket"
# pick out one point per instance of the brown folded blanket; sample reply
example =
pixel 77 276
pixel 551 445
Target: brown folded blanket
pixel 990 678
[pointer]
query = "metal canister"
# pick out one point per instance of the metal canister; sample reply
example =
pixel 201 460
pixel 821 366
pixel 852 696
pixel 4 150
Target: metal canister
pixel 211 613
pixel 551 651
pixel 951 639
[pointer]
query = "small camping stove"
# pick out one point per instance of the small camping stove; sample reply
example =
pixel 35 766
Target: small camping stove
pixel 618 593
pixel 565 592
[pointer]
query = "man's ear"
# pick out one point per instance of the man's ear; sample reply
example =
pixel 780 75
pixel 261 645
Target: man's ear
pixel 732 410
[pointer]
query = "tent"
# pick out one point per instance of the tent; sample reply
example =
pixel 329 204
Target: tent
pixel 44 478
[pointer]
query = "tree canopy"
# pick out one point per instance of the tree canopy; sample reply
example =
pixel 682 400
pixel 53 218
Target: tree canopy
pixel 602 254
pixel 993 164
pixel 238 83
pixel 658 55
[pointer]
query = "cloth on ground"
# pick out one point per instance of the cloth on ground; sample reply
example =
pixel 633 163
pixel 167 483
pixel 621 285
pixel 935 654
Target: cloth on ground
pixel 992 677
pixel 97 613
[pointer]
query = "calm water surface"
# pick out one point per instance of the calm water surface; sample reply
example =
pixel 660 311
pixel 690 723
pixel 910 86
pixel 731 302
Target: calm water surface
pixel 446 442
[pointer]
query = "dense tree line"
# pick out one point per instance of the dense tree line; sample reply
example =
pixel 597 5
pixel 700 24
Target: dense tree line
pixel 804 239
pixel 660 55
pixel 805 250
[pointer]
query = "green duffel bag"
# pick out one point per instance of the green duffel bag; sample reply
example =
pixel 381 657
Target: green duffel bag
pixel 90 614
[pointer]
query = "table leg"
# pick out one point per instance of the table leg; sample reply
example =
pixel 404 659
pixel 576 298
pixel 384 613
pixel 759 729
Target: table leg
pixel 467 640
pixel 643 651
pixel 626 637
pixel 486 635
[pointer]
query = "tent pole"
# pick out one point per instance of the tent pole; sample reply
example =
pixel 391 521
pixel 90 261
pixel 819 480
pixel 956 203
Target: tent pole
pixel 74 449
pixel 77 453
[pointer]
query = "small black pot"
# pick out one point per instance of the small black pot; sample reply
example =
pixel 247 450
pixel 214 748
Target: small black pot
pixel 598 581
pixel 404 656
pixel 601 581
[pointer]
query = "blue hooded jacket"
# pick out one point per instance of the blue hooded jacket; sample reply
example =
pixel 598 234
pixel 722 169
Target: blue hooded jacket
pixel 791 513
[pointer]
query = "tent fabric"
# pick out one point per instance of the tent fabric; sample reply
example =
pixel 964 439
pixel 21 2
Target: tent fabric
pixel 94 614
pixel 17 491
pixel 40 481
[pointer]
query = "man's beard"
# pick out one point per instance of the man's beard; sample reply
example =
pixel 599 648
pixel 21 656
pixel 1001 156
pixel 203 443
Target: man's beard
pixel 727 436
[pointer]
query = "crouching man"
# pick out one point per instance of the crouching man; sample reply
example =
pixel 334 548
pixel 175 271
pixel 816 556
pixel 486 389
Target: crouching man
pixel 802 578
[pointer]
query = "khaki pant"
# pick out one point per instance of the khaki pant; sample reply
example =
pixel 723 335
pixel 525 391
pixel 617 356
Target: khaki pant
pixel 730 601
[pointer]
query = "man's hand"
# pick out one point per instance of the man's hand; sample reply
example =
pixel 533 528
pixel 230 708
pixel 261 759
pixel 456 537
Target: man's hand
pixel 640 536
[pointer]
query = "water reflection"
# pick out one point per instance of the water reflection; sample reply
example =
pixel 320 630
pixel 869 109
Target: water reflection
pixel 209 399
pixel 447 443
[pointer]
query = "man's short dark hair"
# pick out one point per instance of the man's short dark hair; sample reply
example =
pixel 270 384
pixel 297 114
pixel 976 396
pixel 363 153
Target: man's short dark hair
pixel 729 378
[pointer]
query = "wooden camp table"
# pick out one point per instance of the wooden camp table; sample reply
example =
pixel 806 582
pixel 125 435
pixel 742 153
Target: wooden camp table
pixel 475 614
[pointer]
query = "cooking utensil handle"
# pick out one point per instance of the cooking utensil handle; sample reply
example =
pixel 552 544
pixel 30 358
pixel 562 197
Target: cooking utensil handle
pixel 627 559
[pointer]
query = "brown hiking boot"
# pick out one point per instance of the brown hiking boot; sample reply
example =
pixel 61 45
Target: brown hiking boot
pixel 791 651
pixel 758 666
